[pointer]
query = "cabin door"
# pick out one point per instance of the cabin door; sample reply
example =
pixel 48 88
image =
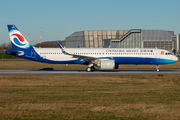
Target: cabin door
pixel 158 54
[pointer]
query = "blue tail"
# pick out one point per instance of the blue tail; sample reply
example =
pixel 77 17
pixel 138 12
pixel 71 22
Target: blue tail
pixel 17 39
pixel 19 43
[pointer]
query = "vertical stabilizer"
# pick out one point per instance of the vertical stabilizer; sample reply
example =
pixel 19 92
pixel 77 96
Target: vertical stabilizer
pixel 17 39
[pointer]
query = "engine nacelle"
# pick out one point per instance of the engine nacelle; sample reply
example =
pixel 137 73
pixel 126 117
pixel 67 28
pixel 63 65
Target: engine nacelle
pixel 107 64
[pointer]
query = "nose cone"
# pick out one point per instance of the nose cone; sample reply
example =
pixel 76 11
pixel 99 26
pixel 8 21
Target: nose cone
pixel 175 58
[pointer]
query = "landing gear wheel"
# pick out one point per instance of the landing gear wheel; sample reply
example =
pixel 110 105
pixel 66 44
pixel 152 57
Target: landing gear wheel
pixel 92 69
pixel 88 69
pixel 157 67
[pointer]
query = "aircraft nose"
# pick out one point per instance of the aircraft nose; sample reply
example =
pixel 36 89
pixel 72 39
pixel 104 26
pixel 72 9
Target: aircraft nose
pixel 175 58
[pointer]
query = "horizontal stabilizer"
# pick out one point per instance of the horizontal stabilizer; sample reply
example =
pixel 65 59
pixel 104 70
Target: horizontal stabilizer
pixel 14 52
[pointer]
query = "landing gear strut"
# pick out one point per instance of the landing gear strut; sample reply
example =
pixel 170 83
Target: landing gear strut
pixel 157 68
pixel 90 68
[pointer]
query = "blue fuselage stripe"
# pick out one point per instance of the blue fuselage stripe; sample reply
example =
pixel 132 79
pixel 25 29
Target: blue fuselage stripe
pixel 141 60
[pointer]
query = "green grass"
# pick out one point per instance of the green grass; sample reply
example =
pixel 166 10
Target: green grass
pixel 6 56
pixel 83 97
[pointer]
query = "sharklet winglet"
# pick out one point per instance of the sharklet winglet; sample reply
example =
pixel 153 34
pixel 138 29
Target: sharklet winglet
pixel 61 48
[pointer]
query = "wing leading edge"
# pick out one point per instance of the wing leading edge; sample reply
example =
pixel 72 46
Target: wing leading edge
pixel 81 57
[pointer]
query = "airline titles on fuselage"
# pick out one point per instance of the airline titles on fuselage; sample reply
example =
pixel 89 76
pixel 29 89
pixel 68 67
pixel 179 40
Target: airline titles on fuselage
pixel 129 50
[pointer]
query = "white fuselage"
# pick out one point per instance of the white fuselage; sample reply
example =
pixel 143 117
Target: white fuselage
pixel 55 54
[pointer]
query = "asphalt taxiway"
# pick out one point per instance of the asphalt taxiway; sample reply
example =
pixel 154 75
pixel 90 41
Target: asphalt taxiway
pixel 84 72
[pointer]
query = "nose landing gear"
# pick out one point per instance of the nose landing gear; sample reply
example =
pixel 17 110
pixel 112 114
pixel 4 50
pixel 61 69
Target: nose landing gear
pixel 157 68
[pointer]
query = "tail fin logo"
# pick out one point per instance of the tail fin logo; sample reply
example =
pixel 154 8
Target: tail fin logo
pixel 21 38
pixel 19 41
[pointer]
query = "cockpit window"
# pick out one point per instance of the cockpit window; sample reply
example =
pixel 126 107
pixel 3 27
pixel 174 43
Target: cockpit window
pixel 168 53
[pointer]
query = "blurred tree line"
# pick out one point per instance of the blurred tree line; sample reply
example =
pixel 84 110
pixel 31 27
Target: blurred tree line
pixel 45 45
pixel 50 44
pixel 5 46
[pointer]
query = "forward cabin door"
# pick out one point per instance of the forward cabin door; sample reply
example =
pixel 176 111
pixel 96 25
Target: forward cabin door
pixel 158 54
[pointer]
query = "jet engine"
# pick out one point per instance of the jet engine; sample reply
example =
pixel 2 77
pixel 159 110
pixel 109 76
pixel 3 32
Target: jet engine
pixel 107 64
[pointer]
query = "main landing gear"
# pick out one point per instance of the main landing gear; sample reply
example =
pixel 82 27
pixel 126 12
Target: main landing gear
pixel 157 68
pixel 90 68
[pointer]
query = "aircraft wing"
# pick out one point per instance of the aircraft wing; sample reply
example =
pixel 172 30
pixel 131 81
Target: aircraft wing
pixel 84 58
pixel 81 57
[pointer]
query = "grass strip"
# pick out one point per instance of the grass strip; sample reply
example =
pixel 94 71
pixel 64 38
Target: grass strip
pixel 86 97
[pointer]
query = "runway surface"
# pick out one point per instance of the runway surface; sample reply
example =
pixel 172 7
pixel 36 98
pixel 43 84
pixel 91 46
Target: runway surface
pixel 84 72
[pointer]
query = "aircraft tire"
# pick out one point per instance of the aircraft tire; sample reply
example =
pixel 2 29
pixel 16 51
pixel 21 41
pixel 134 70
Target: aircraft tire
pixel 92 69
pixel 88 69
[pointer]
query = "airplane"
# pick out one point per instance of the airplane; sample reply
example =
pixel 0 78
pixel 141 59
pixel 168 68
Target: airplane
pixel 103 58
